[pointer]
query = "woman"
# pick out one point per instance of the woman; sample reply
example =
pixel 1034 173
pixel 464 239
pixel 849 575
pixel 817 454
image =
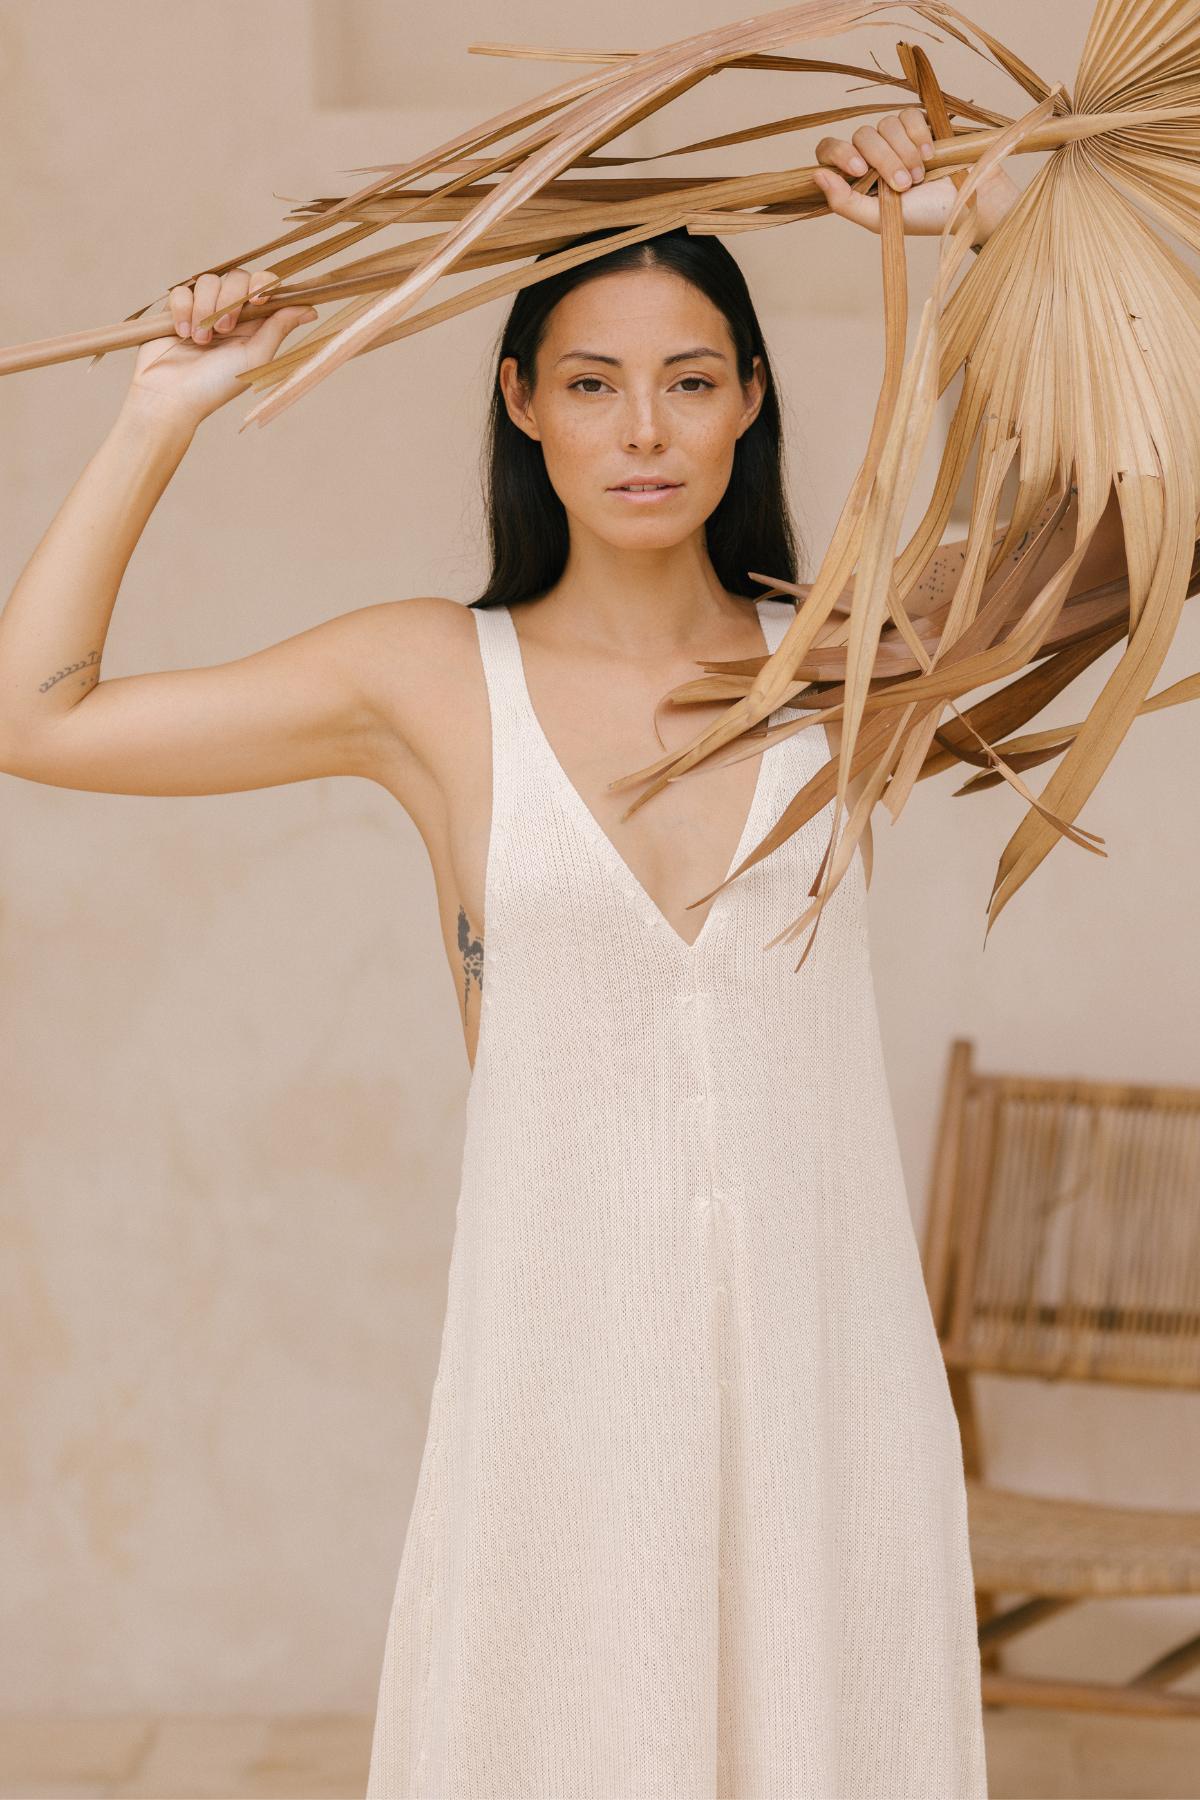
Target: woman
pixel 690 1517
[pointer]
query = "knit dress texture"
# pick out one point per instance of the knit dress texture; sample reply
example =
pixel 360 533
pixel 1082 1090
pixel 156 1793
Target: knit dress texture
pixel 690 1520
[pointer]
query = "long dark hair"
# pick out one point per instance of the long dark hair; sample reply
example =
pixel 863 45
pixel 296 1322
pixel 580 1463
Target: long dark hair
pixel 528 535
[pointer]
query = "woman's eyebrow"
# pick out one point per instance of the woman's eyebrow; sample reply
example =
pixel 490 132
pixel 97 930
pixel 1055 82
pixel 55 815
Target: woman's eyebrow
pixel 679 356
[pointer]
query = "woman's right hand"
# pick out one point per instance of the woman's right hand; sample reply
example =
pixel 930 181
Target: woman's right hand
pixel 191 374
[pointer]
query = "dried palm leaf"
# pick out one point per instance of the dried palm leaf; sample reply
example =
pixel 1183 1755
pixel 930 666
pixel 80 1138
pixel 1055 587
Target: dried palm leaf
pixel 1077 332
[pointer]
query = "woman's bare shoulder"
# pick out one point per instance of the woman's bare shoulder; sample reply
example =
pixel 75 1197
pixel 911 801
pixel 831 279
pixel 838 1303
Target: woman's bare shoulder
pixel 422 634
pixel 424 620
pixel 420 656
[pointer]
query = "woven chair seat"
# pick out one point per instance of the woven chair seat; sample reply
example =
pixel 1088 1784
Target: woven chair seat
pixel 1036 1544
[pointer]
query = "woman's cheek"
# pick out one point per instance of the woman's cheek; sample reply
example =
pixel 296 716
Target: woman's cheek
pixel 567 472
pixel 576 458
pixel 712 464
pixel 709 443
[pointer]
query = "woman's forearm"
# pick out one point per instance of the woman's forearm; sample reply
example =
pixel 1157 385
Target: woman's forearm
pixel 54 625
pixel 1103 560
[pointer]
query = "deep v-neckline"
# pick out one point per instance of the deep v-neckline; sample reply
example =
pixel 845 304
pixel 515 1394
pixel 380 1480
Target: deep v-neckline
pixel 596 832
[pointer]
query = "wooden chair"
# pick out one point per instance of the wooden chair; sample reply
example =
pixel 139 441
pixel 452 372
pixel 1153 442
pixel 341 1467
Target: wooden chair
pixel 1063 1241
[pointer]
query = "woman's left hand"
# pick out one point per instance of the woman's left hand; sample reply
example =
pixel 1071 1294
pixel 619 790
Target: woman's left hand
pixel 897 147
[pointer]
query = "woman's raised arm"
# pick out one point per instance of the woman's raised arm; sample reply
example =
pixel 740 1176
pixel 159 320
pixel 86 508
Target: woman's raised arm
pixel 315 704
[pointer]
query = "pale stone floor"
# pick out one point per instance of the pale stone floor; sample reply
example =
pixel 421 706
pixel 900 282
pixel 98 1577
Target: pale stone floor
pixel 1032 1755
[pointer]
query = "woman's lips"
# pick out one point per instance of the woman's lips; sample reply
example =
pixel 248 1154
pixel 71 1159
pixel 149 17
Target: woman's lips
pixel 646 496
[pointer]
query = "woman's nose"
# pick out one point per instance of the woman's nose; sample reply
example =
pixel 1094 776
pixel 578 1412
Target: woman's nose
pixel 644 428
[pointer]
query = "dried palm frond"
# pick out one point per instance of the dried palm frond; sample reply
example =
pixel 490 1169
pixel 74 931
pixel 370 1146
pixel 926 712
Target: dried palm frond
pixel 1077 331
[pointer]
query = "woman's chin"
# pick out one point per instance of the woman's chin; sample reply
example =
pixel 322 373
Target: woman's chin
pixel 648 540
pixel 644 533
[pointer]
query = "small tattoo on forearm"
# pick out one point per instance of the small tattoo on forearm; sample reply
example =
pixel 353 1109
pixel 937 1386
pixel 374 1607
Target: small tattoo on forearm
pixel 471 949
pixel 73 669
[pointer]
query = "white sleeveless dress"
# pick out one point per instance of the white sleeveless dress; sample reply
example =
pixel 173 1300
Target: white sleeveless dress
pixel 690 1522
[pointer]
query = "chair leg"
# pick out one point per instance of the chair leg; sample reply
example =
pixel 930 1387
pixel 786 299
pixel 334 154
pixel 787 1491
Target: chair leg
pixel 1169 1667
pixel 1010 1623
pixel 987 1608
pixel 1133 1699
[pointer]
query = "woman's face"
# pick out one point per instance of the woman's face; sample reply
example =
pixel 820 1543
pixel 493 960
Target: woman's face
pixel 636 382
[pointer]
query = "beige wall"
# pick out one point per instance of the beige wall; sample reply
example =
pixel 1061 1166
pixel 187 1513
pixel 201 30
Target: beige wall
pixel 231 1078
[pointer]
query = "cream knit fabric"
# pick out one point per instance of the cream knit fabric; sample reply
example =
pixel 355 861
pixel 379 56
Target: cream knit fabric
pixel 690 1522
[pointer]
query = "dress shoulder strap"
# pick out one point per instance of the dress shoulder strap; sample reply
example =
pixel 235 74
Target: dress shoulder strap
pixel 501 656
pixel 775 616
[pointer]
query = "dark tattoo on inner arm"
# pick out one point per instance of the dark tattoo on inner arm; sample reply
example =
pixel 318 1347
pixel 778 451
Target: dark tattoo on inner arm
pixel 471 949
pixel 92 657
